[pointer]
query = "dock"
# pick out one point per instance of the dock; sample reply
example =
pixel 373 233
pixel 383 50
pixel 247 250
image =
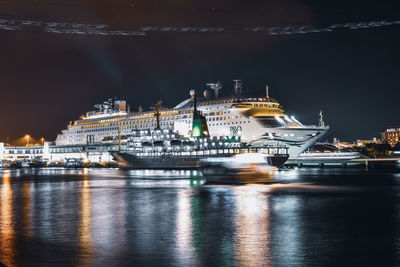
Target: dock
pixel 335 161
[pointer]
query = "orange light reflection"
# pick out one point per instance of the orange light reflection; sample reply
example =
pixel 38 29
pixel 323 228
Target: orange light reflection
pixel 85 231
pixel 7 232
pixel 26 210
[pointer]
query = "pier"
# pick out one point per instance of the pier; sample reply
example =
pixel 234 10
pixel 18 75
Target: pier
pixel 343 162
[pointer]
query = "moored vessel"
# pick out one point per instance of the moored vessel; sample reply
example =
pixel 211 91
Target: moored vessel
pixel 257 121
pixel 163 149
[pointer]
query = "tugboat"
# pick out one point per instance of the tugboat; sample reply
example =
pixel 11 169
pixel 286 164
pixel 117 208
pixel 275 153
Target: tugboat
pixel 166 149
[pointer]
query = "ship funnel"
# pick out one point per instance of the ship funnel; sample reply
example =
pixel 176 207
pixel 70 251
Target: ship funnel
pixel 216 87
pixel 199 123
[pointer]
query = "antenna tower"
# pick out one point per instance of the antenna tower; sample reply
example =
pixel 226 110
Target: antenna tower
pixel 238 86
pixel 216 87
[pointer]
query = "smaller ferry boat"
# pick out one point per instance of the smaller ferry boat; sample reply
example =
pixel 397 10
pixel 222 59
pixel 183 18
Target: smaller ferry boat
pixel 324 154
pixel 164 149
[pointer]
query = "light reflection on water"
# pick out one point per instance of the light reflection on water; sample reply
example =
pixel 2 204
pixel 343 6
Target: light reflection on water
pixel 7 242
pixel 85 231
pixel 252 226
pixel 184 230
pixel 27 208
pixel 112 217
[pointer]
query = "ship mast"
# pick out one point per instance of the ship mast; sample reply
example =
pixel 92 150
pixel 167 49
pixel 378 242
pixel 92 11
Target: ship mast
pixel 237 87
pixel 216 87
pixel 321 119
pixel 158 107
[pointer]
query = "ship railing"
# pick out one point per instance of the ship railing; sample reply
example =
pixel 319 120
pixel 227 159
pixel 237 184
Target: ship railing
pixel 305 126
pixel 212 152
pixel 329 154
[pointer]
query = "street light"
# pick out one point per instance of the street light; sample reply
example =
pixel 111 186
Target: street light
pixel 42 140
pixel 27 139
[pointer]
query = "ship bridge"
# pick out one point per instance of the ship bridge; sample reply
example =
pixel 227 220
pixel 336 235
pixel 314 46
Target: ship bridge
pixel 260 107
pixel 266 110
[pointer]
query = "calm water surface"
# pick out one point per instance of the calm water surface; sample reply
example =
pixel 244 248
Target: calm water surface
pixel 107 217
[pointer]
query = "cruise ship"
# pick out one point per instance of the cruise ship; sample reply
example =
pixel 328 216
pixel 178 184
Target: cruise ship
pixel 258 121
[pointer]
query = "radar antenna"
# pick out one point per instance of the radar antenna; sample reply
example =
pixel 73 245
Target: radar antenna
pixel 238 87
pixel 216 87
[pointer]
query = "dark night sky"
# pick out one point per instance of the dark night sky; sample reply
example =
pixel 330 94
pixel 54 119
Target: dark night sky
pixel 47 80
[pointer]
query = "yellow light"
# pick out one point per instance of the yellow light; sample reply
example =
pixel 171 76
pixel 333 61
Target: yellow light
pixel 27 139
pixel 196 132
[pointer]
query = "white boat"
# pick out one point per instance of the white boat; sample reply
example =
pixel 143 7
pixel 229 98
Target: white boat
pixel 324 154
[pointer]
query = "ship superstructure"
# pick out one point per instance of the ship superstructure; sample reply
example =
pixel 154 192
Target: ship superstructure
pixel 258 121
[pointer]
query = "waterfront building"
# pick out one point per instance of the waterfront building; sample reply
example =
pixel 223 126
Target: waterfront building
pixel 391 135
pixel 51 153
pixel 342 145
pixel 355 144
pixel 23 152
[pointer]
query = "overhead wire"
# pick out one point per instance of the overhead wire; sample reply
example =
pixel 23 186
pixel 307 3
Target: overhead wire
pixel 105 29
